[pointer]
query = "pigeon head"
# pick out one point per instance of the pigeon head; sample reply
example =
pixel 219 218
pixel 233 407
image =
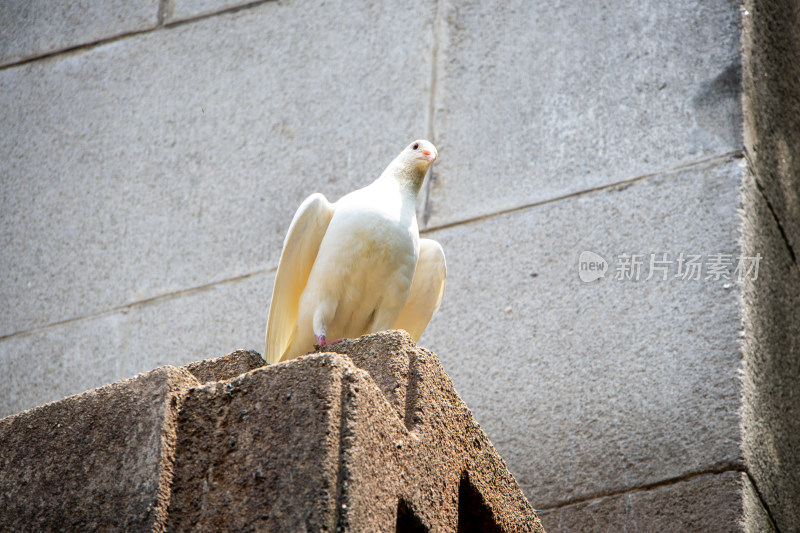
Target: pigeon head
pixel 420 154
pixel 411 165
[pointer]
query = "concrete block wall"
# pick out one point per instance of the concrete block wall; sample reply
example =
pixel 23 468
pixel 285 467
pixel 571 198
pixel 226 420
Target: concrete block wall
pixel 154 154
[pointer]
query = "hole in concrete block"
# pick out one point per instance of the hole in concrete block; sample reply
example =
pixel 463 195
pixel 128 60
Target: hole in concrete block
pixel 412 391
pixel 474 516
pixel 407 521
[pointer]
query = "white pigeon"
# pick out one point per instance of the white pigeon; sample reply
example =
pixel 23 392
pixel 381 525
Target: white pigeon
pixel 357 266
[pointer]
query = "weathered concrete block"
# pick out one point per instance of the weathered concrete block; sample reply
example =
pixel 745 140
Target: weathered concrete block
pixel 37 27
pixel 438 434
pixel 703 504
pixel 225 367
pixel 53 362
pixel 314 444
pixel 96 461
pixel 533 104
pixel 771 82
pixel 261 451
pixel 135 177
pixel 311 444
pixel 629 382
pixel 771 402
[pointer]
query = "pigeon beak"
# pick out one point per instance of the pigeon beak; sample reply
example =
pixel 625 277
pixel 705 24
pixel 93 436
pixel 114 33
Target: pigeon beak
pixel 428 156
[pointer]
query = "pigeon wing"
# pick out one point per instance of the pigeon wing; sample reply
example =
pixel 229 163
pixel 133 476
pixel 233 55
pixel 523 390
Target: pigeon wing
pixel 299 253
pixel 427 289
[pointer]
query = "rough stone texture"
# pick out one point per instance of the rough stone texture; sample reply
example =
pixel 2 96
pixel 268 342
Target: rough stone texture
pixel 53 362
pixel 771 412
pixel 755 518
pixel 97 461
pixel 261 452
pixel 707 503
pixel 440 452
pixel 37 27
pixel 771 406
pixel 313 444
pixel 771 82
pixel 535 103
pixel 629 383
pixel 225 367
pixel 176 158
pixel 178 10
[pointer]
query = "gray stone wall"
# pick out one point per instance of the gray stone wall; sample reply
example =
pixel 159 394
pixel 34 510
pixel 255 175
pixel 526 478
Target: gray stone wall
pixel 154 154
pixel 771 226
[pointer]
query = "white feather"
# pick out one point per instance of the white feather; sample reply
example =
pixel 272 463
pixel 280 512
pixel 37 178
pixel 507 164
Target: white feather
pixel 347 268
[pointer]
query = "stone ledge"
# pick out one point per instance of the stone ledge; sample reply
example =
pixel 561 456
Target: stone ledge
pixel 99 460
pixel 374 438
pixel 225 367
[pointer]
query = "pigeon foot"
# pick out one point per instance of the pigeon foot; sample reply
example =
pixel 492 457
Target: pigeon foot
pixel 321 343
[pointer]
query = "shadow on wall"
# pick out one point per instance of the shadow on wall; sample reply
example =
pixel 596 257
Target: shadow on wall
pixel 771 227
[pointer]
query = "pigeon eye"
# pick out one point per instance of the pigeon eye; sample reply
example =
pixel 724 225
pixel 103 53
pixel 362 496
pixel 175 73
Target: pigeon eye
pixel 415 146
